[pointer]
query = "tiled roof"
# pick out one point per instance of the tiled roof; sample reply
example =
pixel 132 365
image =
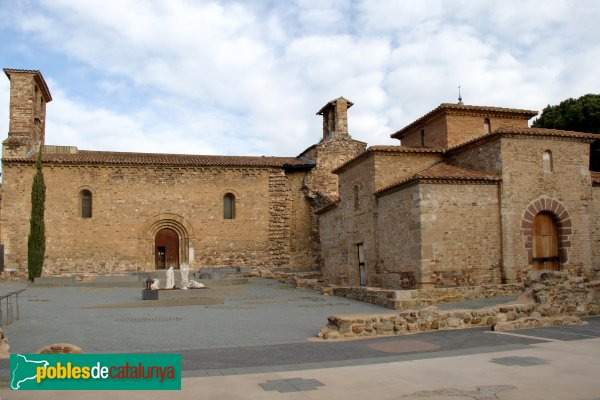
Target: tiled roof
pixel 332 102
pixel 445 172
pixel 444 107
pixel 328 207
pixel 406 149
pixel 530 132
pixel 179 160
pixel 596 178
pixel 547 132
pixel 388 149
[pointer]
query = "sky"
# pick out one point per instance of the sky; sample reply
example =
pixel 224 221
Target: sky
pixel 247 77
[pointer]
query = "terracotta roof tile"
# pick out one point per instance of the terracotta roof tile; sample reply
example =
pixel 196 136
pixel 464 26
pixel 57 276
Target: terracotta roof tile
pixel 388 149
pixel 328 207
pixel 445 172
pixel 177 160
pixel 445 107
pixel 530 132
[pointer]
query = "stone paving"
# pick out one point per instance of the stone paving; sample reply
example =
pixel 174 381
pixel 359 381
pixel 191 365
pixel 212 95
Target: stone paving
pixel 265 312
pixel 255 346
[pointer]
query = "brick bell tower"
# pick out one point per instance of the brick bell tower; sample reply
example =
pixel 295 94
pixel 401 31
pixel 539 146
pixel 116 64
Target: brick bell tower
pixel 335 119
pixel 27 122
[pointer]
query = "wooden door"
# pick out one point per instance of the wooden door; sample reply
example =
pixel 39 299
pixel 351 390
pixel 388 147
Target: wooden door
pixel 545 243
pixel 166 249
pixel 362 269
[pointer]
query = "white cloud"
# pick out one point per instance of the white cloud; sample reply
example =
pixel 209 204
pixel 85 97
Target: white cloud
pixel 246 78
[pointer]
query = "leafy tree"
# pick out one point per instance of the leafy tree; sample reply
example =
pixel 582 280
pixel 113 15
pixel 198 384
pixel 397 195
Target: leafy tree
pixel 36 243
pixel 581 115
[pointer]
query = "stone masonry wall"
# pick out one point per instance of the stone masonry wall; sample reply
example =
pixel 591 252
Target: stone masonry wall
pixel 131 203
pixel 568 185
pixel 555 301
pixel 330 154
pixel 393 167
pixel 462 128
pixel 398 214
pixel 357 222
pixel 595 237
pixel 417 298
pixel 460 235
pixel 435 134
pixel 483 157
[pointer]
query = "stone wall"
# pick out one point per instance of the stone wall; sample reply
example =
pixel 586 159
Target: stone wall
pixel 130 204
pixel 484 156
pixel 398 218
pixel 401 299
pixel 462 128
pixel 452 129
pixel 554 301
pixel 435 134
pixel 460 235
pixel 524 181
pixel 356 220
pixel 595 237
pixel 328 155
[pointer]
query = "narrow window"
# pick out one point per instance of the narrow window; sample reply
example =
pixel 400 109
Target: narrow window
pixel 229 206
pixel 86 204
pixel 362 270
pixel 356 198
pixel 422 137
pixel 547 161
pixel 487 126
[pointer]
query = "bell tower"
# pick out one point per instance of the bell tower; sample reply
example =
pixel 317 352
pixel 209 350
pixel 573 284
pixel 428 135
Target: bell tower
pixel 335 119
pixel 27 122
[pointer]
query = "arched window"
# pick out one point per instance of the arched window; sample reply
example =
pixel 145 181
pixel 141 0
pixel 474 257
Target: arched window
pixel 356 197
pixel 229 206
pixel 547 161
pixel 86 204
pixel 422 137
pixel 487 126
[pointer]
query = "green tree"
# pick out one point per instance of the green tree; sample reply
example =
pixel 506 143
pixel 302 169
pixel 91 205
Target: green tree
pixel 581 115
pixel 36 243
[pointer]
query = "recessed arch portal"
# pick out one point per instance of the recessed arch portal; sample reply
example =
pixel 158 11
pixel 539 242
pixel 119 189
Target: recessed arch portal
pixel 171 232
pixel 547 227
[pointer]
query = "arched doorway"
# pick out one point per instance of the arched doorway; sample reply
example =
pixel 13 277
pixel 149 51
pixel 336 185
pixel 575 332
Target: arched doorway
pixel 166 249
pixel 545 243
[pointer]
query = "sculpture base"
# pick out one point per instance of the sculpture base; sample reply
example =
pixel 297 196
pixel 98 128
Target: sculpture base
pixel 149 294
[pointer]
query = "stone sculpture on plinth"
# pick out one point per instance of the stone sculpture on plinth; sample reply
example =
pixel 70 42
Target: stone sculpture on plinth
pixel 184 269
pixel 170 279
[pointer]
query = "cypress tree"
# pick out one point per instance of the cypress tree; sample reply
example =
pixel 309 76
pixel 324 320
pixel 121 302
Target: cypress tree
pixel 36 243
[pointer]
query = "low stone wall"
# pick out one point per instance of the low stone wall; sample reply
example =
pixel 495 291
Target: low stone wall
pixel 556 300
pixel 402 299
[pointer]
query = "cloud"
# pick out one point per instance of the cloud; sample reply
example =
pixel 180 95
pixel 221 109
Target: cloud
pixel 247 77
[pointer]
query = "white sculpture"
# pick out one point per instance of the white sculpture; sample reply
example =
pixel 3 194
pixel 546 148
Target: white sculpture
pixel 155 285
pixel 195 285
pixel 185 270
pixel 170 279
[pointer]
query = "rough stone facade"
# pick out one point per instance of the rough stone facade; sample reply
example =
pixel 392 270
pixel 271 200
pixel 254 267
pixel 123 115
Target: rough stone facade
pixel 132 197
pixel 459 208
pixel 556 300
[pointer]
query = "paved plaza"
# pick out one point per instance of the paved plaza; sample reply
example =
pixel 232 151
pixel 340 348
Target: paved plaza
pixel 261 344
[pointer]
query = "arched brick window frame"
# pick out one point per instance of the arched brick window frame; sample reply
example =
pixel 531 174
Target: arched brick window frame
pixel 562 218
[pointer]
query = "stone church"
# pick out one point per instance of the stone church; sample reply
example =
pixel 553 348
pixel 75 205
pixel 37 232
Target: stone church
pixel 471 196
